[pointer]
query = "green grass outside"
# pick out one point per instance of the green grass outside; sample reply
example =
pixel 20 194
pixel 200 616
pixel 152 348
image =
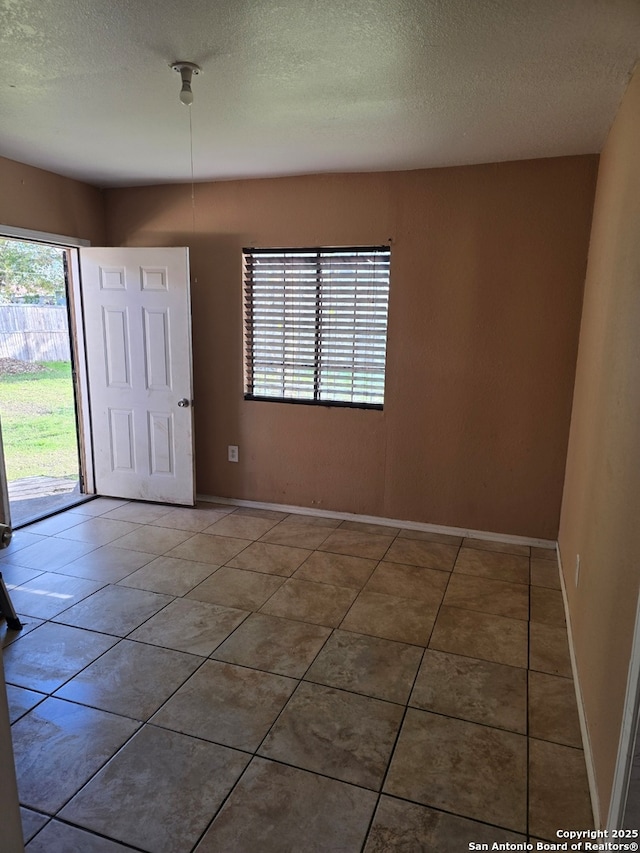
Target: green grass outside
pixel 38 423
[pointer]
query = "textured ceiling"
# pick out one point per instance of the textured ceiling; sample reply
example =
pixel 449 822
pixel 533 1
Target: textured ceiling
pixel 300 86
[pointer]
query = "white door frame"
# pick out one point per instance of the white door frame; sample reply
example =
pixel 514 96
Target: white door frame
pixel 76 313
pixel 628 734
pixel 71 244
pixel 5 510
pixel 42 237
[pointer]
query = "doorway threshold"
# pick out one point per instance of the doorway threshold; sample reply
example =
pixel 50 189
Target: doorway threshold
pixel 35 498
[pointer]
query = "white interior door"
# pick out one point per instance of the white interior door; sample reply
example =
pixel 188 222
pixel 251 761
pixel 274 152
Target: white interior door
pixel 137 318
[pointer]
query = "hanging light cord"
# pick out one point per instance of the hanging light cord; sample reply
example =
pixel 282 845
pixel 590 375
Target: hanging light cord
pixel 193 193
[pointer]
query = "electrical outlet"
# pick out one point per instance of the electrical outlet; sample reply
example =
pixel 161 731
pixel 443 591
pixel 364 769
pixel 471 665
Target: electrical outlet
pixel 577 568
pixel 233 453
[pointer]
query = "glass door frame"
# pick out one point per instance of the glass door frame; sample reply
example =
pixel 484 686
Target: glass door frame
pixel 70 245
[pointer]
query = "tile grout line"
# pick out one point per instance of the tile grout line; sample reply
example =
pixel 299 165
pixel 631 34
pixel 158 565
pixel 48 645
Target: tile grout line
pixel 142 723
pixel 298 679
pixel 93 832
pixel 406 709
pixel 273 724
pixel 254 754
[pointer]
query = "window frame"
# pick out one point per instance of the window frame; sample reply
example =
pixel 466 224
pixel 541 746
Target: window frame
pixel 321 347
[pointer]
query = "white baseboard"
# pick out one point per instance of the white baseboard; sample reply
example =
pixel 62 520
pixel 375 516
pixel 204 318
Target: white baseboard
pixel 586 743
pixel 387 522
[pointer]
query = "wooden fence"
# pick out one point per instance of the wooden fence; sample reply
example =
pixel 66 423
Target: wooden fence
pixel 34 332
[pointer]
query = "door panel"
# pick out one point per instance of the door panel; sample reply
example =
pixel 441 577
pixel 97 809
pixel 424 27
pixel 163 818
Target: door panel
pixel 138 341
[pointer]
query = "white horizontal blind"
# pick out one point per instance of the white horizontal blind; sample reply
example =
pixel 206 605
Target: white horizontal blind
pixel 316 324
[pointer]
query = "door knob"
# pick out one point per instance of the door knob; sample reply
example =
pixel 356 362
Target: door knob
pixel 184 403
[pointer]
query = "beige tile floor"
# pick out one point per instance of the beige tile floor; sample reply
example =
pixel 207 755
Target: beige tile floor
pixel 227 679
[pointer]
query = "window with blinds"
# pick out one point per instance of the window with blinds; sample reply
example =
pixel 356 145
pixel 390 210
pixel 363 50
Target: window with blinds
pixel 316 325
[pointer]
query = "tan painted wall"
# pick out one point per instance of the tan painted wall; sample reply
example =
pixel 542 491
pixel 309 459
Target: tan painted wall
pixel 488 265
pixel 601 505
pixel 41 201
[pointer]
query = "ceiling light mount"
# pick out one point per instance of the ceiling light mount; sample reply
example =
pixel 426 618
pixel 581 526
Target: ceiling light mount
pixel 186 71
